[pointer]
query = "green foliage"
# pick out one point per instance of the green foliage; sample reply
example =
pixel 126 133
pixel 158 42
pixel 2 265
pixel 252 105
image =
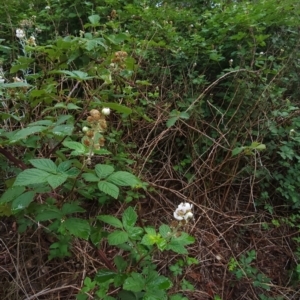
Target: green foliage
pixel 137 275
pixel 220 100
pixel 242 268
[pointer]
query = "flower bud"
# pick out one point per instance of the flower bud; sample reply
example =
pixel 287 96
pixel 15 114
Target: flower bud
pixel 106 111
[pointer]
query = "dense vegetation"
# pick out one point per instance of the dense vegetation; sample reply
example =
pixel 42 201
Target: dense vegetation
pixel 149 150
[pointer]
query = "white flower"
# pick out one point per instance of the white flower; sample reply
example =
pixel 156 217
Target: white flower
pixel 85 129
pixel 106 111
pixel 47 7
pixel 261 53
pixel 183 211
pixel 20 33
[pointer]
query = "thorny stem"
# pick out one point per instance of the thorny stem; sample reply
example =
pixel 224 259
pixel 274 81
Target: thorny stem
pixel 17 162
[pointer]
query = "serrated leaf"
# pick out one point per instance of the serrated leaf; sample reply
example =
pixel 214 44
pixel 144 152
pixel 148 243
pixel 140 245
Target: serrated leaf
pixel 44 164
pixel 48 215
pixel 135 233
pixel 41 123
pixel 129 217
pixel 119 108
pixel 64 166
pixel 55 180
pixel 62 130
pixel 117 237
pixel 22 201
pixel 158 282
pixel 31 176
pixel 103 171
pixel 237 151
pixel 123 178
pixel 164 230
pixel 177 243
pixel 15 84
pixel 90 177
pixel 134 283
pixel 104 275
pixel 11 194
pixel 72 106
pixel 23 133
pixel 94 19
pixel 71 208
pixel 261 147
pixel 110 220
pixel 150 230
pixel 109 189
pixel 120 263
pixel 126 295
pixel 78 227
pixel 148 240
pixel 171 122
pixel 177 247
pixel 78 147
pixel 184 115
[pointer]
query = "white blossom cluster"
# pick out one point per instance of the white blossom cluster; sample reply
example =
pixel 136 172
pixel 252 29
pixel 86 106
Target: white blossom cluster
pixel 183 211
pixel 20 33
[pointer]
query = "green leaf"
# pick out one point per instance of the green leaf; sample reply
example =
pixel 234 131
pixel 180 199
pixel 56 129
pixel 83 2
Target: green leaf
pixel 11 194
pixel 158 282
pixel 113 221
pixel 78 147
pixel 135 233
pixel 177 243
pixel 56 180
pixel 41 123
pixel 123 178
pixel 134 283
pixel 21 202
pixel 117 237
pixel 120 263
pixel 44 164
pixel 119 108
pixel 78 227
pixel 164 230
pixel 261 147
pixel 90 177
pixel 104 275
pixel 103 171
pixel 31 176
pixel 129 217
pixel 62 130
pixel 127 295
pixel 150 230
pixel 184 115
pixel 15 84
pixel 23 133
pixel 64 166
pixel 71 208
pixel 109 189
pixel 171 121
pixel 72 106
pixel 49 214
pixel 237 151
pixel 94 19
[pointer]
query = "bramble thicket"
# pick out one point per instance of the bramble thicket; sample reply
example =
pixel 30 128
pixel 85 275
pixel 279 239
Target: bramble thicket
pixel 149 150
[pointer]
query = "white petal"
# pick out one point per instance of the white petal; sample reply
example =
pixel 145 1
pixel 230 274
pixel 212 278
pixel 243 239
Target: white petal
pixel 177 217
pixel 188 215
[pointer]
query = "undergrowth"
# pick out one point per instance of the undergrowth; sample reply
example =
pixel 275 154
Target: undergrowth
pixel 149 150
